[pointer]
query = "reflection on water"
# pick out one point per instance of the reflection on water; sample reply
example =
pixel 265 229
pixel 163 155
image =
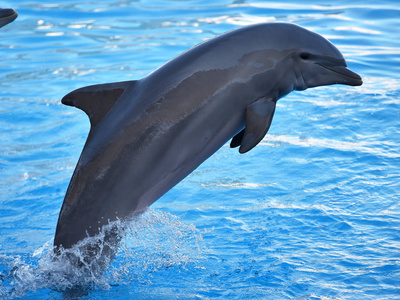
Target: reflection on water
pixel 362 146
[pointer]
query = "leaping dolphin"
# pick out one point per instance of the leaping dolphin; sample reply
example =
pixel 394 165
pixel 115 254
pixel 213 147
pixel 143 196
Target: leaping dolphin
pixel 147 135
pixel 7 15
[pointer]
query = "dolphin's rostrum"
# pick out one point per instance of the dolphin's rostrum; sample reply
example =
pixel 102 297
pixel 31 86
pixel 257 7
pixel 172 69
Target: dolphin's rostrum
pixel 147 135
pixel 7 15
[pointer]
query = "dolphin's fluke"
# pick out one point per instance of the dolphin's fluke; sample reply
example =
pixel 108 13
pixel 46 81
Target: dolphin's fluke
pixel 258 120
pixel 97 100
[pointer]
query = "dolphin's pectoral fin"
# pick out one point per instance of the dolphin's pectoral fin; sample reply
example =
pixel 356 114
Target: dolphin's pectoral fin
pixel 97 100
pixel 258 120
pixel 237 139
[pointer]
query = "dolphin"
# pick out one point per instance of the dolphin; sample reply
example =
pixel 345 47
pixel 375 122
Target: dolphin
pixel 147 135
pixel 7 15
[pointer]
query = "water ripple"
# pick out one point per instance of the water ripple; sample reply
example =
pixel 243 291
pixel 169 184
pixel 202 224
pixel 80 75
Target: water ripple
pixel 310 213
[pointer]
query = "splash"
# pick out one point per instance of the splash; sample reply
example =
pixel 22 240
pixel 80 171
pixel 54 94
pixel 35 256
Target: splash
pixel 152 242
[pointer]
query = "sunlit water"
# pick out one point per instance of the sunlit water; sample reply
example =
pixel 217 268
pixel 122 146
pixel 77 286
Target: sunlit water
pixel 310 213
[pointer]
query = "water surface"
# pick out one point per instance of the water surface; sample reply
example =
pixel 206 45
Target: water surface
pixel 310 213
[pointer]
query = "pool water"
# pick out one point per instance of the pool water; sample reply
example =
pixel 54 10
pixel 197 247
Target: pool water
pixel 312 212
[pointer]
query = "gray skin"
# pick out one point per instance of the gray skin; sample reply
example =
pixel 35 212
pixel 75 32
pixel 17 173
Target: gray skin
pixel 7 15
pixel 147 135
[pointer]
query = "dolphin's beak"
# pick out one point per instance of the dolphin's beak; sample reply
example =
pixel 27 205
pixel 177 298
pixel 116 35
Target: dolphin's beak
pixel 7 12
pixel 7 15
pixel 349 77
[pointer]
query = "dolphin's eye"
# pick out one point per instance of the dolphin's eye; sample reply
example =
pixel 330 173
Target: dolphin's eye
pixel 305 55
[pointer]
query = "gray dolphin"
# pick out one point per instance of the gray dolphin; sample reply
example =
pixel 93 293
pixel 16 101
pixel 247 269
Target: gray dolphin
pixel 7 15
pixel 149 134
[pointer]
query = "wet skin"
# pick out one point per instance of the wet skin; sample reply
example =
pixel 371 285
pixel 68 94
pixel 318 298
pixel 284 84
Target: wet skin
pixel 147 135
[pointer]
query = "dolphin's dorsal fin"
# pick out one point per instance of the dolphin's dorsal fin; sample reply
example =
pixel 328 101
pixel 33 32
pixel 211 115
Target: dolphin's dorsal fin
pixel 258 120
pixel 97 100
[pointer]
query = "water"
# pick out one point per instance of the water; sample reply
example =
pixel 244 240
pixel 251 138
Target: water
pixel 310 213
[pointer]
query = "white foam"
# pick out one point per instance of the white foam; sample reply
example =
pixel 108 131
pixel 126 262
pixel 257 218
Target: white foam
pixel 153 241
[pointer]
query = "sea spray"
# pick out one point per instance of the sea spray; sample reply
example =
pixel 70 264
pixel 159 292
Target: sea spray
pixel 154 240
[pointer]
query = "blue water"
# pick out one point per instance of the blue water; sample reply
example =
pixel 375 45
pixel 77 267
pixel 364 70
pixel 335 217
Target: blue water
pixel 310 213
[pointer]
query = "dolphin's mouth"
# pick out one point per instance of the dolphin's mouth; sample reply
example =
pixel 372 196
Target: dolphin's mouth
pixel 350 77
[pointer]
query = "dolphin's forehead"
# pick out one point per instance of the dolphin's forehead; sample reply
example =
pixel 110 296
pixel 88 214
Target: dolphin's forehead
pixel 285 36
